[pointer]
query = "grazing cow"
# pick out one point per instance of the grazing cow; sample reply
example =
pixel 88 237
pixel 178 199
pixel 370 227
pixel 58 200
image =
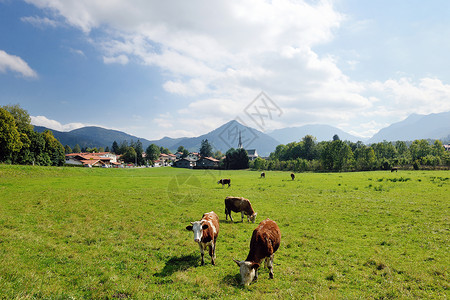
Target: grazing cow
pixel 265 241
pixel 263 175
pixel 292 176
pixel 224 181
pixel 205 234
pixel 394 170
pixel 242 205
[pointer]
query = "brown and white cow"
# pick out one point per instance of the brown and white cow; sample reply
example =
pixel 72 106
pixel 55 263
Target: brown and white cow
pixel 265 241
pixel 224 181
pixel 263 175
pixel 292 176
pixel 205 234
pixel 242 205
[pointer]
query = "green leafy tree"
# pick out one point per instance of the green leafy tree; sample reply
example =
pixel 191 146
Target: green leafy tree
pixel 21 117
pixel 184 151
pixel 76 149
pixel 206 149
pixel 115 148
pixel 236 159
pixel 419 149
pixel 309 149
pixel 54 149
pixel 438 149
pixel 139 151
pixel 164 150
pixel 129 156
pixel 10 138
pixel 67 149
pixel 152 152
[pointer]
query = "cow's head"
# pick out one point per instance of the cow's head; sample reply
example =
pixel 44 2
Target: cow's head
pixel 248 271
pixel 220 181
pixel 197 227
pixel 253 217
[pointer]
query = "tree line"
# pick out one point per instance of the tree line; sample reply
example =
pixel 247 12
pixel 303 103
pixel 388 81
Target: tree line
pixel 20 144
pixel 338 155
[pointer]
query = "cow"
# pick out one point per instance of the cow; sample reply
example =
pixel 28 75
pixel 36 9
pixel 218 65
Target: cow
pixel 263 175
pixel 224 181
pixel 265 241
pixel 394 169
pixel 292 176
pixel 205 234
pixel 242 205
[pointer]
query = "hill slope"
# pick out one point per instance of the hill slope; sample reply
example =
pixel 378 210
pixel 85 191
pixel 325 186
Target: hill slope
pixel 320 132
pixel 227 136
pixel 222 138
pixel 433 126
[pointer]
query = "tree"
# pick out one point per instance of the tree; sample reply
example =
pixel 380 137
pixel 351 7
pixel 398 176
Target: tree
pixel 419 149
pixel 152 152
pixel 309 149
pixel 184 151
pixel 54 149
pixel 129 156
pixel 115 148
pixel 10 141
pixel 21 117
pixel 336 138
pixel 236 159
pixel 67 149
pixel 76 149
pixel 139 151
pixel 164 150
pixel 206 149
pixel 438 149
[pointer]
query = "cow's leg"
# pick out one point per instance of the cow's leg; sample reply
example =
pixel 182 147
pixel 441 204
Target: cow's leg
pixel 270 266
pixel 242 216
pixel 202 252
pixel 256 275
pixel 212 253
pixel 231 217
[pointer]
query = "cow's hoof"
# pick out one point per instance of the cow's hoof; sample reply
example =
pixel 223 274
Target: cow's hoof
pixel 270 275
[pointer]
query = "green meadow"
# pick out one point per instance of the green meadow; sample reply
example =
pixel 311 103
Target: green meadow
pixel 120 233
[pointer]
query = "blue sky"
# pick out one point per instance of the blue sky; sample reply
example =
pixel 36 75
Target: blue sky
pixel 183 68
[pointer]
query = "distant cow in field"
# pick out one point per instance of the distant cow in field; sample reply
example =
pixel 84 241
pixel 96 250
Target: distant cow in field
pixel 394 170
pixel 263 175
pixel 224 181
pixel 242 205
pixel 292 176
pixel 265 241
pixel 205 234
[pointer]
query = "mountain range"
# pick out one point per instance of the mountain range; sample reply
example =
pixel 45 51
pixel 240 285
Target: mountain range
pixel 432 126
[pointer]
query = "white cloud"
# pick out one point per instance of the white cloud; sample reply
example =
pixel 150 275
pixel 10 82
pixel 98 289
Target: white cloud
pixel 121 59
pixel 219 55
pixel 40 22
pixel 52 124
pixel 16 64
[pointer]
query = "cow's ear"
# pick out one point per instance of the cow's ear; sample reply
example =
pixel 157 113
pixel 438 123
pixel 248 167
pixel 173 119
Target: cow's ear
pixel 189 227
pixel 205 226
pixel 237 262
pixel 255 266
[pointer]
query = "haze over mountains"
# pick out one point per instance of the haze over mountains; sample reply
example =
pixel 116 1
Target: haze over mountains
pixel 433 126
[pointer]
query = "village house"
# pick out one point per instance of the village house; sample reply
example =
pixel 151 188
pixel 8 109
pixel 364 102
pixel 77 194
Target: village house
pixel 194 156
pixel 167 158
pixel 207 162
pixel 185 163
pixel 252 154
pixel 101 159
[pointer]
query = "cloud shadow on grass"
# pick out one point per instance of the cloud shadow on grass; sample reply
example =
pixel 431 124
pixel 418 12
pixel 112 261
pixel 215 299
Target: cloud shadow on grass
pixel 178 263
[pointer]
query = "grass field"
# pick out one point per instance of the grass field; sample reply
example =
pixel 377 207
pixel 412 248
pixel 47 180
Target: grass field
pixel 120 233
